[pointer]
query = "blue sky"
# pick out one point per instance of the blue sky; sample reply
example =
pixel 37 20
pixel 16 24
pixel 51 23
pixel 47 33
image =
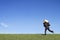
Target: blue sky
pixel 26 16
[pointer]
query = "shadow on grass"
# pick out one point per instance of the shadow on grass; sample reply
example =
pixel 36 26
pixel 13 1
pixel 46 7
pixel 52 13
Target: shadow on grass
pixel 43 34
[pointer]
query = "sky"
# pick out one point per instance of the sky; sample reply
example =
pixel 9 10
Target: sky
pixel 26 16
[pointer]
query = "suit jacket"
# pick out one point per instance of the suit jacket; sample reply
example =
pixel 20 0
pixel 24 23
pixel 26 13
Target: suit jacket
pixel 46 24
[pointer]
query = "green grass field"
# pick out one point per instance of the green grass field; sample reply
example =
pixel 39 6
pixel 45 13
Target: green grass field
pixel 29 37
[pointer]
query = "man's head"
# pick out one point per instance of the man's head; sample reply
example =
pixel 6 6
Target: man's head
pixel 45 21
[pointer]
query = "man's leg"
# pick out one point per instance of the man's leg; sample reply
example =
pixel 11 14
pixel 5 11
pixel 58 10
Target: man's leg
pixel 45 30
pixel 50 30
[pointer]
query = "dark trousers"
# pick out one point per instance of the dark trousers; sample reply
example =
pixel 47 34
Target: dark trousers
pixel 47 28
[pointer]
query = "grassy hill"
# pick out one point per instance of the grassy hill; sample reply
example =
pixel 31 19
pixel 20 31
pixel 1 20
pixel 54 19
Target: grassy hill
pixel 29 37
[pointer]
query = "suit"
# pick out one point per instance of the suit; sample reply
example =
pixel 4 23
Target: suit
pixel 46 25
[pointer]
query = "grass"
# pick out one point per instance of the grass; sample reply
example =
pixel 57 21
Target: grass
pixel 29 37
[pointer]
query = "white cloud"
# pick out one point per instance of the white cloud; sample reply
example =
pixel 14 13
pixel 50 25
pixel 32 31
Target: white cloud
pixel 3 24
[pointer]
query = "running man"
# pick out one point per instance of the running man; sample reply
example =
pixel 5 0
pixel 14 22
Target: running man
pixel 46 25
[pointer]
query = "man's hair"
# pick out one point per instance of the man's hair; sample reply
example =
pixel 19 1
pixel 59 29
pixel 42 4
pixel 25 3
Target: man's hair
pixel 45 21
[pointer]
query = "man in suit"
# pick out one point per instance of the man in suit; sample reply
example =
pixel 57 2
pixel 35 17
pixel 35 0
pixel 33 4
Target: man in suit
pixel 46 25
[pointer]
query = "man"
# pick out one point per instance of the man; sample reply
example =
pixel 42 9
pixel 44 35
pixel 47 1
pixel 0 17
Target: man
pixel 46 25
